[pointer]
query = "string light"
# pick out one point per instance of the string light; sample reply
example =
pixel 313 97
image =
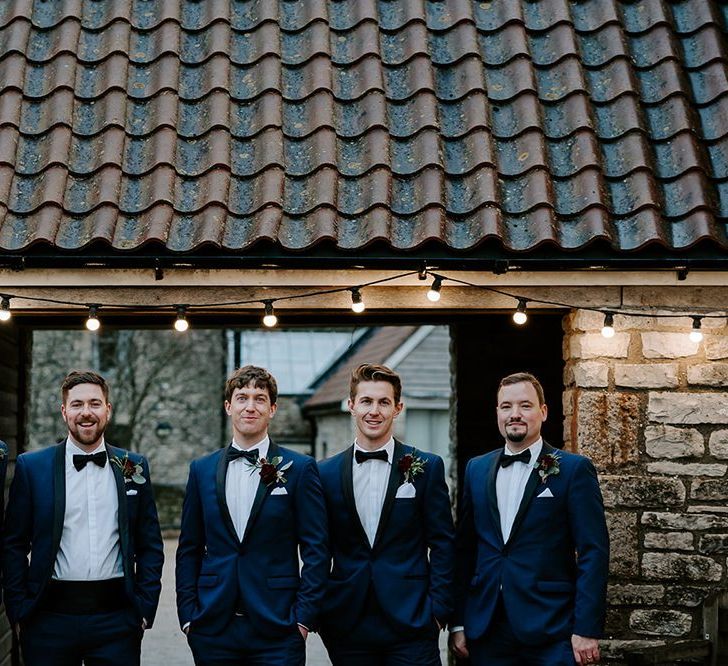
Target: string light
pixel 696 335
pixel 181 324
pixel 357 304
pixel 93 323
pixel 270 319
pixel 608 327
pixel 5 313
pixel 519 316
pixel 434 293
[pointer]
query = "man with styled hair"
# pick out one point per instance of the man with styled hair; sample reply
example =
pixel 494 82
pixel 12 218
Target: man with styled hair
pixel 249 510
pixel 392 537
pixel 532 546
pixel 84 511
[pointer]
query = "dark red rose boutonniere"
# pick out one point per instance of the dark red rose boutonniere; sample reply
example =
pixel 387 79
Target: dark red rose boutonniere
pixel 410 465
pixel 132 472
pixel 547 466
pixel 270 470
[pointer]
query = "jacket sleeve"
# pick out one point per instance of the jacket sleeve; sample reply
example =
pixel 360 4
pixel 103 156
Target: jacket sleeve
pixel 440 535
pixel 190 550
pixel 465 550
pixel 16 543
pixel 589 529
pixel 313 541
pixel 148 551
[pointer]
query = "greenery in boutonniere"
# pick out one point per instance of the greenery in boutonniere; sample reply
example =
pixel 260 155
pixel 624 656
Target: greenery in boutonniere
pixel 270 472
pixel 410 465
pixel 547 465
pixel 132 472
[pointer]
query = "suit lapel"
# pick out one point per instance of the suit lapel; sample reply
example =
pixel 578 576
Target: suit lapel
pixel 492 496
pixel 122 514
pixel 347 489
pixel 529 492
pixel 59 497
pixel 220 475
pixel 391 493
pixel 261 493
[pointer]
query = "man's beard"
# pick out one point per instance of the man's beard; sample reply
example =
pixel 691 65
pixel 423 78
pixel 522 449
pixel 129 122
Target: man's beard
pixel 516 437
pixel 88 440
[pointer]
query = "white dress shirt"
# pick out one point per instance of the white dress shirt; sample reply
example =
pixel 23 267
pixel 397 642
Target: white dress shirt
pixel 510 484
pixel 89 548
pixel 370 480
pixel 241 485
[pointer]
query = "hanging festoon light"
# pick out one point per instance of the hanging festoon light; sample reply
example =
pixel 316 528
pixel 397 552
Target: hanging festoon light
pixel 357 303
pixel 519 316
pixel 696 335
pixel 5 313
pixel 92 322
pixel 608 326
pixel 434 294
pixel 269 319
pixel 181 324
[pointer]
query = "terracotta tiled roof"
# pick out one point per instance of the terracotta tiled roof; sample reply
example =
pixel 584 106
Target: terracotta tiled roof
pixel 376 348
pixel 406 121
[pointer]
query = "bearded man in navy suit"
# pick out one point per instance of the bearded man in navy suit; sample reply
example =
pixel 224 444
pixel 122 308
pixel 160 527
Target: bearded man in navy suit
pixel 392 538
pixel 84 511
pixel 249 510
pixel 532 543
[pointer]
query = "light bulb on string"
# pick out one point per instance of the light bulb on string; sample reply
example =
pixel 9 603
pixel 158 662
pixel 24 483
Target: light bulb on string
pixel 5 313
pixel 92 322
pixel 357 304
pixel 269 319
pixel 181 324
pixel 608 326
pixel 434 293
pixel 519 316
pixel 696 335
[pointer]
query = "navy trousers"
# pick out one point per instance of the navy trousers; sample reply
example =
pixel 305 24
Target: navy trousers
pixel 99 639
pixel 374 642
pixel 241 645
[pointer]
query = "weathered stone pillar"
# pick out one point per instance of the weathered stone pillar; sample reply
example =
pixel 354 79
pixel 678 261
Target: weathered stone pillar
pixel 649 407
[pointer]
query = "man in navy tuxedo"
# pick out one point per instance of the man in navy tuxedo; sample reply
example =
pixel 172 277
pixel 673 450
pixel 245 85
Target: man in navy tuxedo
pixel 3 473
pixel 532 544
pixel 249 510
pixel 392 538
pixel 84 510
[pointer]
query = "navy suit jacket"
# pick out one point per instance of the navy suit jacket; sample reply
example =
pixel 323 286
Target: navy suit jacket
pixel 552 571
pixel 217 573
pixel 34 524
pixel 3 471
pixel 412 589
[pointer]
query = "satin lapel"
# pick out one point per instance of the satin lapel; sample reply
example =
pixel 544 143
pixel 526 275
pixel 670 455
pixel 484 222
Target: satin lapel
pixel 347 489
pixel 492 496
pixel 220 475
pixel 59 497
pixel 531 485
pixel 123 516
pixel 392 484
pixel 260 494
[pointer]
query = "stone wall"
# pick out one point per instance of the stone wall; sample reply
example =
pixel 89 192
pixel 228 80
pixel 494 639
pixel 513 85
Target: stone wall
pixel 649 407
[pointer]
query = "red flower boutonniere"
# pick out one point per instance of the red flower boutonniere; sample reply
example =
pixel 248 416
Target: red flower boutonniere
pixel 548 465
pixel 269 471
pixel 132 472
pixel 410 465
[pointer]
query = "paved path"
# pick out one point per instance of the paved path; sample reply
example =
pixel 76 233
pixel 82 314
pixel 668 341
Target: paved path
pixel 165 644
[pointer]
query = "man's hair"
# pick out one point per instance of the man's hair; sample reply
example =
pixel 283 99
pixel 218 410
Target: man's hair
pixel 520 377
pixel 369 372
pixel 76 377
pixel 252 374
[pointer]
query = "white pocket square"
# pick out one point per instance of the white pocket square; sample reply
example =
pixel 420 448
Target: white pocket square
pixel 406 491
pixel 279 491
pixel 546 493
pixel 132 492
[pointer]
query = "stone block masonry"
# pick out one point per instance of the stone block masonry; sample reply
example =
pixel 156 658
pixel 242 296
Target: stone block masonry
pixel 650 408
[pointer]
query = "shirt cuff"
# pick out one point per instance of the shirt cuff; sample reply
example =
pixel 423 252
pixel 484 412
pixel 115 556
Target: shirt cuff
pixel 458 628
pixel 304 626
pixel 186 625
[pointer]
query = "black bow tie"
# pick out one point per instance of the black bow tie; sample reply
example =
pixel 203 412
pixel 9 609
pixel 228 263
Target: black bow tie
pixel 250 456
pixel 80 460
pixel 363 456
pixel 523 456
